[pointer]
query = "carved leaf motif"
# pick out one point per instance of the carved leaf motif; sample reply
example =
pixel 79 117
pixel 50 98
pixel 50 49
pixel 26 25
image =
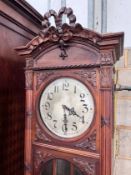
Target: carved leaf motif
pixel 86 166
pixel 42 76
pixel 89 75
pixel 89 143
pixel 40 135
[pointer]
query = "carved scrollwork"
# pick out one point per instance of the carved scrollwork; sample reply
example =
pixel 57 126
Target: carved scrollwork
pixel 88 75
pixel 29 79
pixel 86 166
pixel 40 157
pixel 42 76
pixel 89 143
pixel 40 136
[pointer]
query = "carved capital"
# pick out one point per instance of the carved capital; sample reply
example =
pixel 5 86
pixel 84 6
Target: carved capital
pixel 89 143
pixel 29 79
pixel 106 58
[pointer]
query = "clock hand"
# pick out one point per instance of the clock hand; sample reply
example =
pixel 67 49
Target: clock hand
pixel 71 111
pixel 65 107
pixel 65 120
pixel 74 112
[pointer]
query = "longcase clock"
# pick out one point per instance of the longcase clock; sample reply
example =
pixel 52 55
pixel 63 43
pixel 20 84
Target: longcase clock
pixel 69 98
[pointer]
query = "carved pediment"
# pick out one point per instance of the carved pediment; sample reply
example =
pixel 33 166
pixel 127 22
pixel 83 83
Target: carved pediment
pixel 62 35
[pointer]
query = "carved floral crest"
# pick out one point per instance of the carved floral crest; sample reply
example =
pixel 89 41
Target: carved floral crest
pixel 62 33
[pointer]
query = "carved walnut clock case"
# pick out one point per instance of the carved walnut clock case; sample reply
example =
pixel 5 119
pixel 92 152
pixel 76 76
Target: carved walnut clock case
pixel 69 98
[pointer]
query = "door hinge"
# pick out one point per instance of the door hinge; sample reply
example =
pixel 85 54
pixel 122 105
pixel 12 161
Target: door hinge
pixel 105 122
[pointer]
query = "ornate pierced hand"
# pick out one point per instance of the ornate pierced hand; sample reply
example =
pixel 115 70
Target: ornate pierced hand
pixel 71 111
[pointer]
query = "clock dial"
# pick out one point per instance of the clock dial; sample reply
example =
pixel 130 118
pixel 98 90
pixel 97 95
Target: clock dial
pixel 66 107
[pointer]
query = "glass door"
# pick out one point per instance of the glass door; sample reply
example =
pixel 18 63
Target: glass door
pixel 60 167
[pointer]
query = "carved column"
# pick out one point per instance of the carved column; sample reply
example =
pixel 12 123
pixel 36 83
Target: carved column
pixel 106 75
pixel 28 144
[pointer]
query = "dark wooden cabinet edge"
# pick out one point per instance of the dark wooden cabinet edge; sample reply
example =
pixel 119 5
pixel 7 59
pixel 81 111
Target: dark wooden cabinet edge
pixel 26 10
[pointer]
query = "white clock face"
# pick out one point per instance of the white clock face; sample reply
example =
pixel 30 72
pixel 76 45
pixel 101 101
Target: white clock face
pixel 66 107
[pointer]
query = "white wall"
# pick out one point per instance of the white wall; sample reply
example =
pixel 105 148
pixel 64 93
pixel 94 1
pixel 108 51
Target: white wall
pixel 119 18
pixel 40 5
pixel 79 7
pixel 118 13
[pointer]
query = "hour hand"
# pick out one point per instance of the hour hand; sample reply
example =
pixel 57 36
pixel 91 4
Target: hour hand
pixel 71 110
pixel 65 107
pixel 68 109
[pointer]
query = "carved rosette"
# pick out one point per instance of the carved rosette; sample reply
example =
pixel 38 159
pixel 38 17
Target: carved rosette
pixel 40 136
pixel 105 77
pixel 29 79
pixel 89 143
pixel 106 58
pixel 42 76
pixel 88 75
pixel 85 166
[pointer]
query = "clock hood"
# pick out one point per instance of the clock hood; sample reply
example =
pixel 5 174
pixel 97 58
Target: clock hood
pixel 68 42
